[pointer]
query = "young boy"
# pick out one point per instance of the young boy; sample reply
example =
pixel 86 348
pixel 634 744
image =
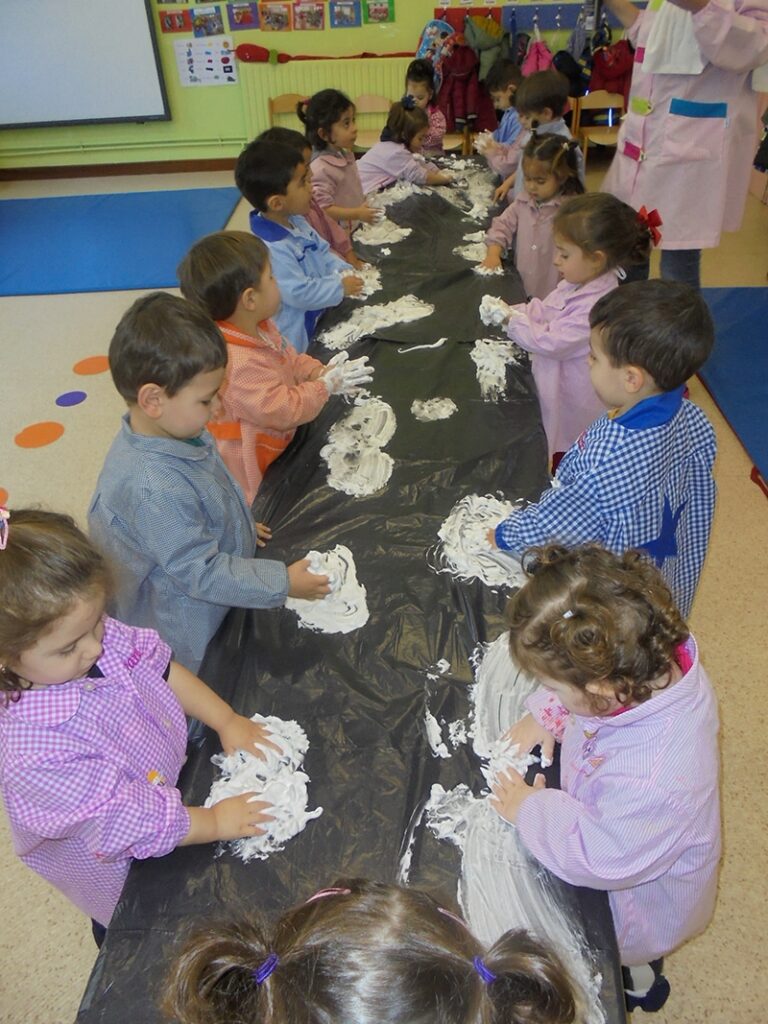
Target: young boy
pixel 276 181
pixel 641 475
pixel 270 389
pixel 541 100
pixel 502 82
pixel 173 521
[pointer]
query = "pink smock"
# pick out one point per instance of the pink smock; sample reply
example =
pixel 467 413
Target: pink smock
pixel 529 225
pixel 336 182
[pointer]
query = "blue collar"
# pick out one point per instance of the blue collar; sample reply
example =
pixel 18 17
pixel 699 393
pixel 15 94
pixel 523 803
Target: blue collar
pixel 267 230
pixel 653 411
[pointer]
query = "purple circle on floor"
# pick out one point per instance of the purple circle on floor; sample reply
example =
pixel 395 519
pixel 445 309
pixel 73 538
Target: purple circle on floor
pixel 71 398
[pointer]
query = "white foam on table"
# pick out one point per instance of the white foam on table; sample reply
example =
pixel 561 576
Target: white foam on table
pixel 371 277
pixel 356 464
pixel 433 409
pixel 369 319
pixel 345 608
pixel 465 551
pixel 491 357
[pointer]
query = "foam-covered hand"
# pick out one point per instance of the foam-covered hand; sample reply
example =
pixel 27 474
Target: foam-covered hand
pixel 345 376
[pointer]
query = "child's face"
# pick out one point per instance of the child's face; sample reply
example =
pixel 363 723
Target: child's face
pixel 575 264
pixel 540 183
pixel 420 93
pixel 298 195
pixel 607 380
pixel 532 117
pixel 267 295
pixel 504 98
pixel 418 141
pixel 69 649
pixel 344 131
pixel 185 414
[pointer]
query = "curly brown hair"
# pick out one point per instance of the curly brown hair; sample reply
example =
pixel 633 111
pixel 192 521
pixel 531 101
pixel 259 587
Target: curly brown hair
pixel 588 615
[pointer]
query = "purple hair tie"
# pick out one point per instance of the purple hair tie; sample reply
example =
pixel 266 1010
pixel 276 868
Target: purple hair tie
pixel 408 102
pixel 482 970
pixel 264 970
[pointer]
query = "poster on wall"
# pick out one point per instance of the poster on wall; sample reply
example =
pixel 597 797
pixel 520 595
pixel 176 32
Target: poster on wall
pixel 308 17
pixel 345 14
pixel 206 62
pixel 207 21
pixel 275 17
pixel 378 11
pixel 242 16
pixel 175 21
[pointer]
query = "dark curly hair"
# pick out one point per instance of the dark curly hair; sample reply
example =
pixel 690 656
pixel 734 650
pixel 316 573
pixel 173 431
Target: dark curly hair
pixel 320 113
pixel 588 615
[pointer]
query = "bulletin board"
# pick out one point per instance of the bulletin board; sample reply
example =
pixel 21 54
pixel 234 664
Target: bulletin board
pixel 79 62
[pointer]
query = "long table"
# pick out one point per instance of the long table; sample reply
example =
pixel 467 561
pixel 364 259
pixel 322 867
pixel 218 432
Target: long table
pixel 361 696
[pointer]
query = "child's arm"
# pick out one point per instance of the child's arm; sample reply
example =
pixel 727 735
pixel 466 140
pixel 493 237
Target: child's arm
pixel 561 336
pixel 500 236
pixel 325 183
pixel 367 214
pixel 304 292
pixel 439 177
pixel 504 187
pixel 257 394
pixel 503 158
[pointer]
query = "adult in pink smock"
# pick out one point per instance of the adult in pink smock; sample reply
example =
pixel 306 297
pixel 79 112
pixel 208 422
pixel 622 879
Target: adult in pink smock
pixel 686 144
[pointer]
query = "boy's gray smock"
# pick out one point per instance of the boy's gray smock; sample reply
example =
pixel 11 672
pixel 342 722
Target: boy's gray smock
pixel 181 540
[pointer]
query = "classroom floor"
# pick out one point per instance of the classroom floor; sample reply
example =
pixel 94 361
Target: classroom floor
pixel 45 944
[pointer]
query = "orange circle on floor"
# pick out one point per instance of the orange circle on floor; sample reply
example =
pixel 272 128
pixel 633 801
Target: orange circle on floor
pixel 37 435
pixel 3 497
pixel 93 364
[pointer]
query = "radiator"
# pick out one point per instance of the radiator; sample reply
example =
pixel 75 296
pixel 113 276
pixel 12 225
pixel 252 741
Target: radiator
pixel 375 76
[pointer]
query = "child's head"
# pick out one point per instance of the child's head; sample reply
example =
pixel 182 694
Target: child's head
pixel 288 137
pixel 274 178
pixel 227 270
pixel 550 166
pixel 407 124
pixel 599 629
pixel 329 119
pixel 53 587
pixel 365 953
pixel 502 82
pixel 597 232
pixel 657 329
pixel 541 98
pixel 167 359
pixel 420 82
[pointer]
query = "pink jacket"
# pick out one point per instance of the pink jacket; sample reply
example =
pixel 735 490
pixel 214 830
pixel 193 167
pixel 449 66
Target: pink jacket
pixel 267 393
pixel 504 160
pixel 638 813
pixel 335 181
pixel 387 162
pixel 556 333
pixel 692 163
pixel 433 140
pixel 529 225
pixel 329 229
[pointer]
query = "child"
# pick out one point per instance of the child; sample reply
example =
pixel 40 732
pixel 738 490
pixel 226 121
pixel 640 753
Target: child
pixel 395 160
pixel 595 236
pixel 551 174
pixel 175 523
pixel 276 181
pixel 624 693
pixel 329 119
pixel 269 389
pixel 92 728
pixel 335 235
pixel 541 100
pixel 420 86
pixel 640 476
pixel 502 82
pixel 362 952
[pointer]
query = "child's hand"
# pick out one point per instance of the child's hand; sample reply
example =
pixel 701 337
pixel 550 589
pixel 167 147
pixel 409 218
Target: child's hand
pixel 239 816
pixel 309 586
pixel 368 214
pixel 492 261
pixel 504 187
pixel 263 534
pixel 491 538
pixel 527 734
pixel 509 790
pixel 352 284
pixel 240 733
pixel 354 261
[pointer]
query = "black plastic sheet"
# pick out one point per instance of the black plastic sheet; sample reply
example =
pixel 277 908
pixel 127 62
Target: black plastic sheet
pixel 361 696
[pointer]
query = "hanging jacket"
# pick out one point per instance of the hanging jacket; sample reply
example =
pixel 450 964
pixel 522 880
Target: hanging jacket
pixel 612 68
pixel 488 39
pixel 538 58
pixel 460 94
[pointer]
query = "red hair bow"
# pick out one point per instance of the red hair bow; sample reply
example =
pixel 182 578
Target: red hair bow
pixel 652 221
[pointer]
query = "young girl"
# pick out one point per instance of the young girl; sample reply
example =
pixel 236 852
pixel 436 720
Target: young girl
pixel 595 236
pixel 92 728
pixel 625 695
pixel 329 119
pixel 551 174
pixel 399 159
pixel 420 86
pixel 362 952
pixel 269 388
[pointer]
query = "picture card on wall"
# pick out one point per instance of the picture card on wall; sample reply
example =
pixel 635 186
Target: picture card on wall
pixel 378 11
pixel 206 62
pixel 207 21
pixel 175 21
pixel 308 17
pixel 275 17
pixel 241 16
pixel 345 14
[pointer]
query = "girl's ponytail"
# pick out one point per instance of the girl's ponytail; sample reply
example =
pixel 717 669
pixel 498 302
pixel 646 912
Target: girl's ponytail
pixel 404 121
pixel 599 222
pixel 531 984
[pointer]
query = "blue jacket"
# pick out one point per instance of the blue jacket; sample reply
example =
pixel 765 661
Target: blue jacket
pixel 509 127
pixel 307 273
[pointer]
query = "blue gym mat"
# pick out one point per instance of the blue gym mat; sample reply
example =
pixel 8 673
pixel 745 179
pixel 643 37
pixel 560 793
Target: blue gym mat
pixel 736 374
pixel 105 242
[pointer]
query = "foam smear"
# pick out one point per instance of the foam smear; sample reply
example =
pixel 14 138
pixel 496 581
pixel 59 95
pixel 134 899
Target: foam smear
pixel 383 232
pixel 371 280
pixel 473 195
pixel 433 409
pixel 278 781
pixel 418 348
pixel 395 194
pixel 464 550
pixel 356 463
pixel 345 608
pixel 369 319
pixel 491 357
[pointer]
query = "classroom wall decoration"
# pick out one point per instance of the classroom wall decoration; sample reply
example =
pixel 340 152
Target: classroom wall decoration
pixel 206 62
pixel 207 21
pixel 309 16
pixel 243 16
pixel 275 17
pixel 378 12
pixel 345 14
pixel 176 21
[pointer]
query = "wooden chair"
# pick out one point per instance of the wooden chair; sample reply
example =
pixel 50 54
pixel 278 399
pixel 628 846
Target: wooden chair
pixel 374 110
pixel 284 104
pixel 600 101
pixel 368 103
